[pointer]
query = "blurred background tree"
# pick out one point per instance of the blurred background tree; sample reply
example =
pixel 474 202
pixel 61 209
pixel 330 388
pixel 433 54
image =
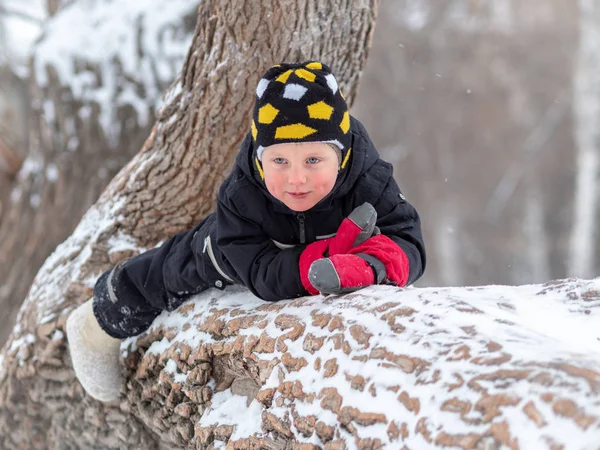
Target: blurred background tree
pixel 474 103
pixel 487 109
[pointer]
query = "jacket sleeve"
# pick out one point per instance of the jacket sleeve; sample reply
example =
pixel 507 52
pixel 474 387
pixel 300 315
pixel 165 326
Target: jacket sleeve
pixel 269 272
pixel 396 218
pixel 399 220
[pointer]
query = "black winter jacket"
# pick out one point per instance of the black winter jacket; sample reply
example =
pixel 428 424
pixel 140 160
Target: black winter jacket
pixel 255 240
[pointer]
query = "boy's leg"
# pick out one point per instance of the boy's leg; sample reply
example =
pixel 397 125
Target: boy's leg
pixel 119 307
pixel 126 301
pixel 129 297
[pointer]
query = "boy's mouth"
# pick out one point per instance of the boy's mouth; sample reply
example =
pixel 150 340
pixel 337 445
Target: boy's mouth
pixel 298 194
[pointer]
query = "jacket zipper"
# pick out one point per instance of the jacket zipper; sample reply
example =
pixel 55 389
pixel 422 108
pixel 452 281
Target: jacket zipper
pixel 300 217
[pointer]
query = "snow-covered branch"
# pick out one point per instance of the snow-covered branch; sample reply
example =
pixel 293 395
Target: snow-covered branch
pixel 482 367
pixel 4 11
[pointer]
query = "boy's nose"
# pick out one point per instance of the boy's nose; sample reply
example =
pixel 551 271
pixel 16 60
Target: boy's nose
pixel 297 177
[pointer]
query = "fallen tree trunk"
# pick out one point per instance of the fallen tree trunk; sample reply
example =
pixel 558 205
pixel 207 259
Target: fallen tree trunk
pixel 167 187
pixel 381 368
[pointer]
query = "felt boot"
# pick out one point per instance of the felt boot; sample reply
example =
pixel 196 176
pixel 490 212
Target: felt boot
pixel 95 354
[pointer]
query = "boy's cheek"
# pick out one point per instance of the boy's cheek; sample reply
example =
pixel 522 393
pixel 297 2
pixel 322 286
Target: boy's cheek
pixel 272 186
pixel 268 182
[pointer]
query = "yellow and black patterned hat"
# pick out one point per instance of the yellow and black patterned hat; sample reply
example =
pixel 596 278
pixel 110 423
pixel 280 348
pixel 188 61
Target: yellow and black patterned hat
pixel 300 103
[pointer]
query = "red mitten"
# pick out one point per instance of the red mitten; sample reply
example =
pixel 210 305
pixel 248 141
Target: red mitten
pixel 311 253
pixel 354 229
pixel 381 250
pixel 340 274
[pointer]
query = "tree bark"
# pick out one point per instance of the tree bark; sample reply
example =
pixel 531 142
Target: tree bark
pixel 167 187
pixel 10 161
pixel 381 368
pixel 10 164
pixel 73 150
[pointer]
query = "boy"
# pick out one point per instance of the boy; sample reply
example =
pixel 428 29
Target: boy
pixel 309 207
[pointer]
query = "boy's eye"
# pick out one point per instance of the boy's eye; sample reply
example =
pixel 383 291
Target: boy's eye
pixel 313 160
pixel 278 160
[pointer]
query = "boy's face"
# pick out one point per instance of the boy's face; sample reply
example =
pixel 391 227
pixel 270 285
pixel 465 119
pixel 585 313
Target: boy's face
pixel 300 175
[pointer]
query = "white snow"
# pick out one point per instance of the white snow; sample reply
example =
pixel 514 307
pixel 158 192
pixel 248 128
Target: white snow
pixel 122 242
pixel 31 165
pixel 171 367
pixel 52 172
pixel 415 14
pixel 229 409
pixel 115 53
pixel 21 343
pixel 21 26
pixel 34 200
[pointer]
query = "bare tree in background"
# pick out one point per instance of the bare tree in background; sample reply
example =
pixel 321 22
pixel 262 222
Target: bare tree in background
pixel 13 113
pixel 586 109
pixel 471 101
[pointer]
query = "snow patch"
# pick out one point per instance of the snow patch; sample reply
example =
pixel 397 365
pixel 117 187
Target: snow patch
pixel 20 28
pixel 75 250
pixel 415 14
pixel 31 166
pixel 115 54
pixel 21 344
pixel 52 173
pixel 34 200
pixel 229 409
pixel 121 242
pixel 171 367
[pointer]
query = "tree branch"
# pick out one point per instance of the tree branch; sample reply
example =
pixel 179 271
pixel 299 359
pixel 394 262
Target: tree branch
pixel 20 14
pixel 10 162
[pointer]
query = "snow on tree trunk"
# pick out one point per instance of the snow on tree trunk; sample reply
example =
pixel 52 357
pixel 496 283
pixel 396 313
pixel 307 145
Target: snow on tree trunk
pixel 167 187
pixel 94 93
pixel 586 109
pixel 469 368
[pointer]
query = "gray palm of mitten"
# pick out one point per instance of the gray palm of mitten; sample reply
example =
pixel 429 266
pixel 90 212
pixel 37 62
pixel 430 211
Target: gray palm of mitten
pixel 365 218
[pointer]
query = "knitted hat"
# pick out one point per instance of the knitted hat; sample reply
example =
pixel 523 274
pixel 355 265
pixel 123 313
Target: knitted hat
pixel 300 103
